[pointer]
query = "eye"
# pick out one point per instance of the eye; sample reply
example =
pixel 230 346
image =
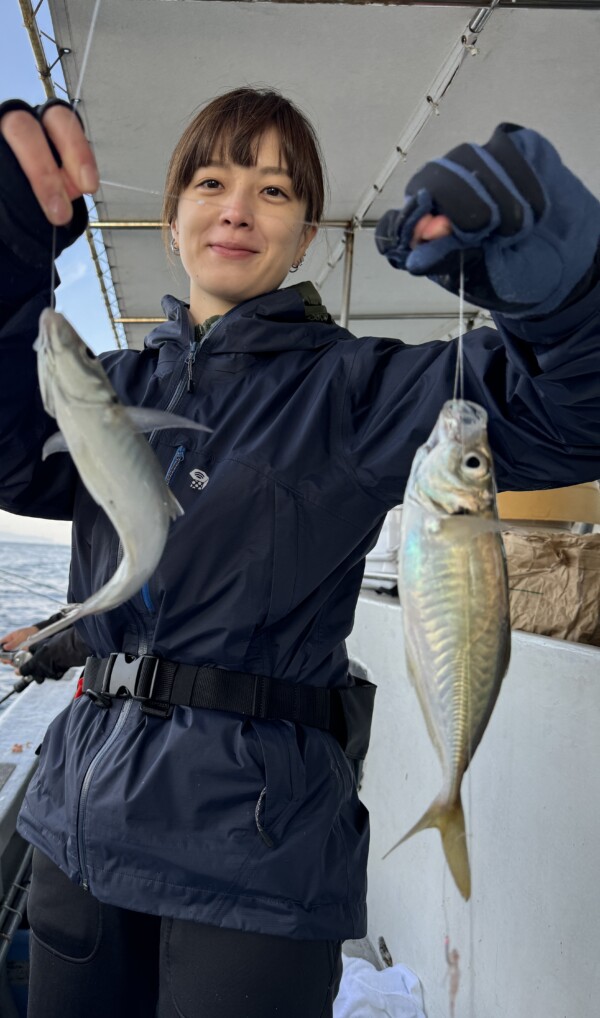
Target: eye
pixel 475 465
pixel 210 184
pixel 274 192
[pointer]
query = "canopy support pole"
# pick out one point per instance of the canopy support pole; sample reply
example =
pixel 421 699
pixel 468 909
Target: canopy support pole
pixel 348 265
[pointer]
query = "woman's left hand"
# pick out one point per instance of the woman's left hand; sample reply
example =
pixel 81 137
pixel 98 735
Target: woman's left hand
pixel 430 228
pixel 524 227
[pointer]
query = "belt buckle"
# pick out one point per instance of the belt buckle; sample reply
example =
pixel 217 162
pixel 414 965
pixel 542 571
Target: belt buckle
pixel 121 676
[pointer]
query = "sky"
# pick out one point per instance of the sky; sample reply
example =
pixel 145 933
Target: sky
pixel 79 297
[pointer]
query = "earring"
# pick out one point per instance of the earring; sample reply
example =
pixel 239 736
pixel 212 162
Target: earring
pixel 297 265
pixel 174 246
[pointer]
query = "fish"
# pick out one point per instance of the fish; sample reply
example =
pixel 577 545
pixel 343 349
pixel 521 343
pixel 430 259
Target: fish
pixel 453 590
pixel 115 462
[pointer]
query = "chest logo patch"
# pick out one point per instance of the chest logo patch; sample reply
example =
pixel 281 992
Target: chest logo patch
pixel 199 479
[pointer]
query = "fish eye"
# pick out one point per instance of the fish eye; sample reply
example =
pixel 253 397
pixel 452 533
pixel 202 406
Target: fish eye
pixel 90 353
pixel 475 464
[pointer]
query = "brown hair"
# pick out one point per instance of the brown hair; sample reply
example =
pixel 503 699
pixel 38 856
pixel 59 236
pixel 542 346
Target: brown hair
pixel 229 128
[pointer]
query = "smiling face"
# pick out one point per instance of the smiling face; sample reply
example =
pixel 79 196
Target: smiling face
pixel 239 229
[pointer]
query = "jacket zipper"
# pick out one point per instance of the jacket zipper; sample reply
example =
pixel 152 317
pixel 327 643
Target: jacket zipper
pixel 185 380
pixel 177 459
pixel 83 795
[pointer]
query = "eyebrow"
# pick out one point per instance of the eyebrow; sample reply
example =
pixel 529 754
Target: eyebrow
pixel 265 170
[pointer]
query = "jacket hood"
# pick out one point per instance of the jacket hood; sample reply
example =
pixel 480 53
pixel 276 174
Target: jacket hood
pixel 253 327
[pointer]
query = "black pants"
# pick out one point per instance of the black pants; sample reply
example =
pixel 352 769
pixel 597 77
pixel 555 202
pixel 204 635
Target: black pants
pixel 105 962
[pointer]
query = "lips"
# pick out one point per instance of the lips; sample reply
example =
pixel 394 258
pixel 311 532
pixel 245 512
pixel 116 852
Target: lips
pixel 229 250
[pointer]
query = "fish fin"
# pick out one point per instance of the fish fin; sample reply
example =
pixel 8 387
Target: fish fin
pixel 56 443
pixel 175 507
pixel 450 821
pixel 144 418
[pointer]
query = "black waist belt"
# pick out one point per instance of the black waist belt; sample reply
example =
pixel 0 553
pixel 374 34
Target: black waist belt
pixel 160 685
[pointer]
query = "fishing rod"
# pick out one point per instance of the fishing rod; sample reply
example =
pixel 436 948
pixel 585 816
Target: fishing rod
pixel 17 658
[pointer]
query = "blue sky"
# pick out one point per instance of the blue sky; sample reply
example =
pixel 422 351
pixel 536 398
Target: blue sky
pixel 79 296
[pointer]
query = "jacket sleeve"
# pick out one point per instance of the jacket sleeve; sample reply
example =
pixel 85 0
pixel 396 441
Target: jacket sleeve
pixel 539 381
pixel 53 657
pixel 27 485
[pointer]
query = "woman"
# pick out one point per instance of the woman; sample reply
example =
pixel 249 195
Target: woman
pixel 198 853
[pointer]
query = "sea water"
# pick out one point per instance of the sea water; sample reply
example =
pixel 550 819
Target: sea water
pixel 33 585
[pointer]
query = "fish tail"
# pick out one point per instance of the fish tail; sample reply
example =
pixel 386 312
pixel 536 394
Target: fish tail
pixel 174 506
pixel 450 822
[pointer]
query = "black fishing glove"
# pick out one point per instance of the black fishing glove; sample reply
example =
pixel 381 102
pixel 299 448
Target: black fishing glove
pixel 528 228
pixel 52 658
pixel 24 228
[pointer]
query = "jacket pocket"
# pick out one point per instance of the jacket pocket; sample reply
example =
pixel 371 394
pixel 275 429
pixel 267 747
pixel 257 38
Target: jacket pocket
pixel 285 554
pixel 285 777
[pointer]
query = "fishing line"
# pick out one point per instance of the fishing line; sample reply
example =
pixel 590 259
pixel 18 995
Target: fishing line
pixel 459 379
pixel 38 583
pixel 76 99
pixel 87 50
pixel 53 271
pixel 38 593
pixel 210 202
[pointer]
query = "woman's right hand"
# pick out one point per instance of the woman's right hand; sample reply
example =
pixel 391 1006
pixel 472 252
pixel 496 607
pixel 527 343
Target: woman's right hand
pixel 55 187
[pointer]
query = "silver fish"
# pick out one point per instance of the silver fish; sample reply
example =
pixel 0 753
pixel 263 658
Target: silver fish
pixel 115 462
pixel 454 594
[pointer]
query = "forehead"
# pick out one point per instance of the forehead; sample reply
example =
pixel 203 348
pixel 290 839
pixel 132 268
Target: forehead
pixel 264 150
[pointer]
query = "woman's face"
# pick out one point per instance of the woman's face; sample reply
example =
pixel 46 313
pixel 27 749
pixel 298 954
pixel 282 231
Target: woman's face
pixel 239 230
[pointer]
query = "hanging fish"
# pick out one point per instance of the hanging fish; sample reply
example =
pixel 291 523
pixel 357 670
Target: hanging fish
pixel 115 462
pixel 455 605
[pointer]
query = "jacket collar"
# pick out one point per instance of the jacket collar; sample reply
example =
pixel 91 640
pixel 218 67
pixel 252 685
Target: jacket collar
pixel 254 326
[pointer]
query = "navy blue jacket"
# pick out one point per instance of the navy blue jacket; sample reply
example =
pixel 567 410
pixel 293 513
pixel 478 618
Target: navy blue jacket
pixel 314 433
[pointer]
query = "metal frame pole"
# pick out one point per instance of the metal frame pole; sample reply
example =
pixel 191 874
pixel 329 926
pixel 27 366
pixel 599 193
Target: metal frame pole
pixel 347 285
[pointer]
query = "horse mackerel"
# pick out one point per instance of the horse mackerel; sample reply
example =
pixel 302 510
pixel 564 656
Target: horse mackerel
pixel 115 462
pixel 454 595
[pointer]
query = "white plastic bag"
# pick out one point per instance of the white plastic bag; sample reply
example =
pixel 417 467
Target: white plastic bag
pixel 366 992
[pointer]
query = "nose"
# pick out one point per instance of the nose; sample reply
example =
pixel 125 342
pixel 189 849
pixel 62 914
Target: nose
pixel 237 211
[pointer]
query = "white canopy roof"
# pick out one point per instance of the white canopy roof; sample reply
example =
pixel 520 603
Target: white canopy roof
pixel 362 72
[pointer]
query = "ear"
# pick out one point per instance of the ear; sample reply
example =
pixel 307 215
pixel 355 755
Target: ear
pixel 308 235
pixel 174 230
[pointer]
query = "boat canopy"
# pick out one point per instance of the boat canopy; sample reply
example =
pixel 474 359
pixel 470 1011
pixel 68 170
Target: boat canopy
pixel 387 86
